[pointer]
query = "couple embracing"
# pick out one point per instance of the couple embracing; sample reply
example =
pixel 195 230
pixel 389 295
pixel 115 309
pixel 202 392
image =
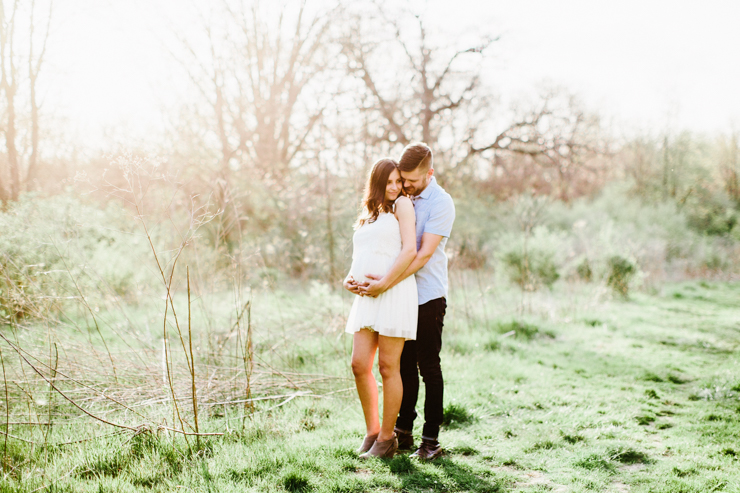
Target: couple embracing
pixel 399 274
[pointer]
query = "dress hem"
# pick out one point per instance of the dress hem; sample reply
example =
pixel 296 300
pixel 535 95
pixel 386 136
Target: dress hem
pixel 381 332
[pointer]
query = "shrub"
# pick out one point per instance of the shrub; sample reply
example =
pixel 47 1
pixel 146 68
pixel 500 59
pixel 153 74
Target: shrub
pixel 470 254
pixel 52 249
pixel 584 270
pixel 621 271
pixel 532 269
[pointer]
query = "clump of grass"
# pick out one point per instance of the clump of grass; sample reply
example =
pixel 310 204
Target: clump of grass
pixel 730 452
pixel 296 481
pixel 628 455
pixel 520 329
pixel 644 419
pixel 677 379
pixel 572 438
pixel 456 415
pixel 651 394
pixel 543 445
pixel 652 377
pixel 242 477
pixel 511 463
pixel 103 465
pixel 465 450
pixel 493 345
pixel 147 478
pixel 593 462
pixel 401 464
pixel 682 473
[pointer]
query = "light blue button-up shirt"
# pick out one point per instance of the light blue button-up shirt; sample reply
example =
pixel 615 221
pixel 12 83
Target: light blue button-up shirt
pixel 435 213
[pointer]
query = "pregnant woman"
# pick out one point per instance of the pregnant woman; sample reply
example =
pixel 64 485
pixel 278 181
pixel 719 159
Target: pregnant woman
pixel 384 243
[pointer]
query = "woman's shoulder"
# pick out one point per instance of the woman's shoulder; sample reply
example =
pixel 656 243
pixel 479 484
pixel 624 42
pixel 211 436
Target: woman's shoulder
pixel 403 201
pixel 403 207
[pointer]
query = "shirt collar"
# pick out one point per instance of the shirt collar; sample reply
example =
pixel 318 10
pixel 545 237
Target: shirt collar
pixel 428 190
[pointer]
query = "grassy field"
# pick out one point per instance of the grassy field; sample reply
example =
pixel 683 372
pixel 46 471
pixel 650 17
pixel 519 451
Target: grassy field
pixel 562 391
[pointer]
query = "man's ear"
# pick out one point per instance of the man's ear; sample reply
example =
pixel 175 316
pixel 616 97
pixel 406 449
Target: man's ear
pixel 430 173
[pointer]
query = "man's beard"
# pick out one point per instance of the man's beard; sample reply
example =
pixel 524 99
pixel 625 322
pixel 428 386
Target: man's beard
pixel 416 191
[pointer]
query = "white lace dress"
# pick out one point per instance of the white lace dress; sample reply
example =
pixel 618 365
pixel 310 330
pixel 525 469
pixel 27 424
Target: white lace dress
pixel 376 247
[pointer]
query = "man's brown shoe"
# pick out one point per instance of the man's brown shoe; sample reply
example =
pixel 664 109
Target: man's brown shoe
pixel 428 450
pixel 405 439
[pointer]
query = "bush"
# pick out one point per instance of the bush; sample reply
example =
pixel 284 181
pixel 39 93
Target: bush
pixel 532 269
pixel 584 270
pixel 470 254
pixel 53 249
pixel 621 271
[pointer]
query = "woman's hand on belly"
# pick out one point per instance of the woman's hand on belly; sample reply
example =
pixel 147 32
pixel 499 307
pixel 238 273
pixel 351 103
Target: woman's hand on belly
pixel 353 286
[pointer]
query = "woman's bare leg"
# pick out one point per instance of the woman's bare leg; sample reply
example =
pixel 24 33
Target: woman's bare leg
pixel 389 361
pixel 364 345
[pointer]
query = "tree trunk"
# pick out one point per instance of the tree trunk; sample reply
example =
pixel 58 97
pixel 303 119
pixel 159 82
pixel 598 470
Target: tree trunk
pixel 329 226
pixel 10 134
pixel 3 196
pixel 33 159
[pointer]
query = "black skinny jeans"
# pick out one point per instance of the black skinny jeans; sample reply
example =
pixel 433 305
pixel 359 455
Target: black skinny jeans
pixel 422 357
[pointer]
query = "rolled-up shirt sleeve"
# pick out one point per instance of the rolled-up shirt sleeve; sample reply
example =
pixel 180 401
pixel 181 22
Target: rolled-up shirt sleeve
pixel 441 218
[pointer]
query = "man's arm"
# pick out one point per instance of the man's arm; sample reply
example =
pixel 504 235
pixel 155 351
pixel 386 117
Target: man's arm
pixel 429 243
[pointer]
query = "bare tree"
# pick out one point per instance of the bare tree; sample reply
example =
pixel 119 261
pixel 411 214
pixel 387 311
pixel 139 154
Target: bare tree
pixel 256 76
pixel 556 135
pixel 254 79
pixel 9 86
pixel 730 165
pixel 17 90
pixel 438 84
pixel 439 97
pixel 35 63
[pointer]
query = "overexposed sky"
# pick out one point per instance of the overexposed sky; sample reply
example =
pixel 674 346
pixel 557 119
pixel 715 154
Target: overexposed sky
pixel 645 65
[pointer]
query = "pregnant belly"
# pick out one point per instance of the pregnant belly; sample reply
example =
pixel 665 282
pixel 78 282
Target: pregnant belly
pixel 375 264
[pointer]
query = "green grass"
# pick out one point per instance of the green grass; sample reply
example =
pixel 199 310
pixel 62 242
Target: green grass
pixel 560 392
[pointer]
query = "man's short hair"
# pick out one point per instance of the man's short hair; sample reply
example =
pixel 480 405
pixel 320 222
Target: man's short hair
pixel 415 155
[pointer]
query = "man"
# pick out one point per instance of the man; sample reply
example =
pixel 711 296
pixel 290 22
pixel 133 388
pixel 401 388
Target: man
pixel 435 213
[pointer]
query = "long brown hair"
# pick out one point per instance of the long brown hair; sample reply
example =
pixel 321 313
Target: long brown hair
pixel 373 202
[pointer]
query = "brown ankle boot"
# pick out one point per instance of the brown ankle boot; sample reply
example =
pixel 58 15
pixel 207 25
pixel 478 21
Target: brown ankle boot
pixel 367 443
pixel 405 439
pixel 429 449
pixel 384 449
